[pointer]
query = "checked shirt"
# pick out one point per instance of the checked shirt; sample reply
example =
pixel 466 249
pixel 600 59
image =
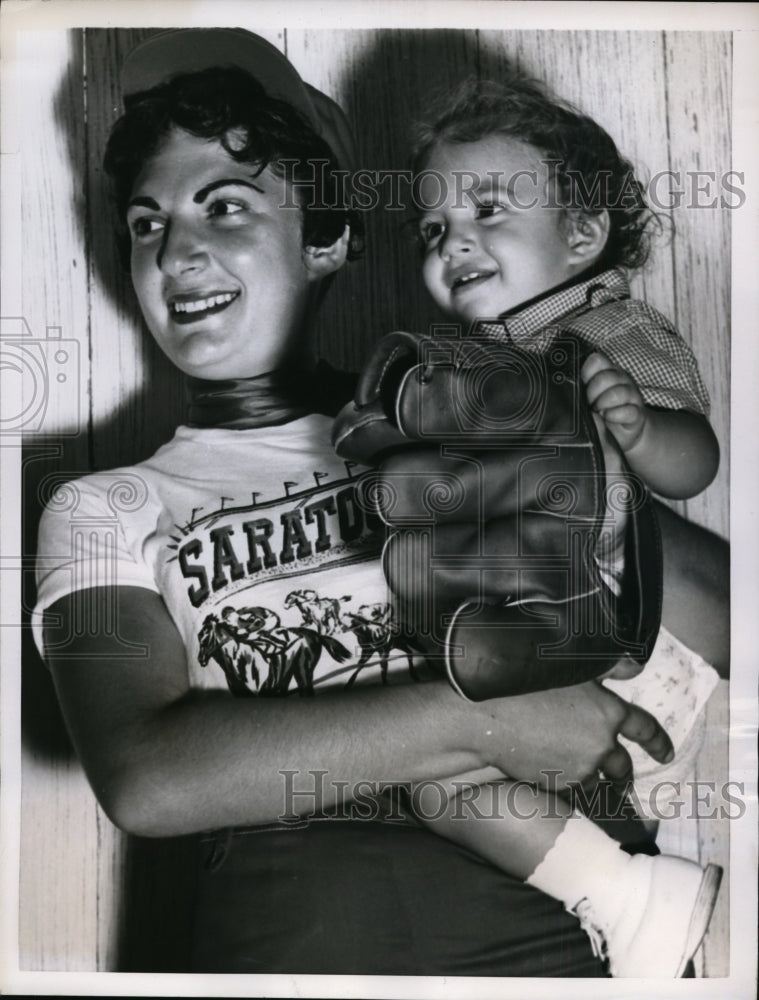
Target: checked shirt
pixel 633 335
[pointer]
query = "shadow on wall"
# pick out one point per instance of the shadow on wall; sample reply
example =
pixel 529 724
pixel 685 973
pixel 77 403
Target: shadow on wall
pixel 388 87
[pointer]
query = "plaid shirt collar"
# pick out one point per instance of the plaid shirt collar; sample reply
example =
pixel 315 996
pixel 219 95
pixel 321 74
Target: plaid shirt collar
pixel 531 325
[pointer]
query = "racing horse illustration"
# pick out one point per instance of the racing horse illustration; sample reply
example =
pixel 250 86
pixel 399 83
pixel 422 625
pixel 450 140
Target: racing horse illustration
pixel 374 628
pixel 321 612
pixel 290 653
pixel 237 659
pixel 299 658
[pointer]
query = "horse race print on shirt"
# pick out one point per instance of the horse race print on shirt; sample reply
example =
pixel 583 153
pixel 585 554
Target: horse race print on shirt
pixel 267 556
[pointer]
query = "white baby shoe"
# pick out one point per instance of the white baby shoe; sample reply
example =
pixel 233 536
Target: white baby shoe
pixel 651 924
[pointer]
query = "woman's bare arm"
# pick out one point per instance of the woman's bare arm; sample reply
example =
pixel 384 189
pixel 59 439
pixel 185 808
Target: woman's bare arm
pixel 163 760
pixel 696 600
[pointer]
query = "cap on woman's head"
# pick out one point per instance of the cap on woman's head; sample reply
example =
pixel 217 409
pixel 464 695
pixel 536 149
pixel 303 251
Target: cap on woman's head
pixel 188 50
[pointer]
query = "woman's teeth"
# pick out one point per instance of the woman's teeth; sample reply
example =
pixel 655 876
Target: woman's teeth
pixel 202 305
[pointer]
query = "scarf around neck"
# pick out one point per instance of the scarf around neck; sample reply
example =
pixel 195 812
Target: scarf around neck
pixel 268 400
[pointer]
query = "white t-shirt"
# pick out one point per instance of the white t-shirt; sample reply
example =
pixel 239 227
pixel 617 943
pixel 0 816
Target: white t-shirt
pixel 260 545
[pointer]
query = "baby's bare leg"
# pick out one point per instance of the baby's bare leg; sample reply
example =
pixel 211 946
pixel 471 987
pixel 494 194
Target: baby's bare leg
pixel 510 823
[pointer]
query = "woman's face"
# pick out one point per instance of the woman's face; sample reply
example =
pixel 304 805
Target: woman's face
pixel 217 260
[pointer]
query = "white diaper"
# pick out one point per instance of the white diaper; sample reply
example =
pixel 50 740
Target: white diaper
pixel 674 686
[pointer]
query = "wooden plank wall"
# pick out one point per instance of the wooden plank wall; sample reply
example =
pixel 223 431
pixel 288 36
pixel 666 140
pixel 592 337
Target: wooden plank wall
pixel 664 96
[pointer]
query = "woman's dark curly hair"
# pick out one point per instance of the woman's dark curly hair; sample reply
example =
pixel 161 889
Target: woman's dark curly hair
pixel 229 105
pixel 590 172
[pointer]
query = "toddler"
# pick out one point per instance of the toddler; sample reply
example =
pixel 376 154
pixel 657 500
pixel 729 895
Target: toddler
pixel 532 216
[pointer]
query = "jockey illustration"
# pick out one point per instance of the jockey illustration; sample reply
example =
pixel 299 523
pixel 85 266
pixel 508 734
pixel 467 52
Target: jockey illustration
pixel 242 635
pixel 376 631
pixel 323 613
pixel 256 627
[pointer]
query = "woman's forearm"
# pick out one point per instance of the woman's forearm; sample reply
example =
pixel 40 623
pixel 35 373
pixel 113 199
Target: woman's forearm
pixel 211 760
pixel 164 760
pixel 696 591
pixel 214 760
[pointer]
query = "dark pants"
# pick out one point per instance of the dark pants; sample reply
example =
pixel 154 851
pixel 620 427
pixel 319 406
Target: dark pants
pixel 372 898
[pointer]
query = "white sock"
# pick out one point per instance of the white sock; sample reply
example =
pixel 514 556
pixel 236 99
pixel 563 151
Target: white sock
pixel 583 863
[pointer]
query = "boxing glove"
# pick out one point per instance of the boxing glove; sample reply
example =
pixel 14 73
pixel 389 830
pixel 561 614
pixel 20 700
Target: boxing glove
pixel 491 472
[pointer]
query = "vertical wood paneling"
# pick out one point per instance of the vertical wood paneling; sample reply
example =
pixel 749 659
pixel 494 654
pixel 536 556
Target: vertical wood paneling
pixel 343 331
pixel 677 117
pixel 111 890
pixel 714 828
pixel 52 261
pixel 58 878
pixel 698 107
pixel 59 890
pixel 698 74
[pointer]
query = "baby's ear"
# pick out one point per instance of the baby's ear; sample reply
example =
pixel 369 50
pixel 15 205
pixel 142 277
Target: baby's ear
pixel 587 235
pixel 321 261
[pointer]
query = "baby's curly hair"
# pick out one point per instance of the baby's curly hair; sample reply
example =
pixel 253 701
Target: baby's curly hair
pixel 591 173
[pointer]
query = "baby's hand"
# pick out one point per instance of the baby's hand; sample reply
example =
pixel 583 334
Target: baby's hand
pixel 613 394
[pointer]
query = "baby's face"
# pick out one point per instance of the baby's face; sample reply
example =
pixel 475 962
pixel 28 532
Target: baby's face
pixel 493 236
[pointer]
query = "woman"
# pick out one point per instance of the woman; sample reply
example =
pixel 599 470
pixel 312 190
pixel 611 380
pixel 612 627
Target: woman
pixel 246 566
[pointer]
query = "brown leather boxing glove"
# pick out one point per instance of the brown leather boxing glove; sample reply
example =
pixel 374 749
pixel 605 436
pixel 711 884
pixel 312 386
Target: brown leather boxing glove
pixel 492 474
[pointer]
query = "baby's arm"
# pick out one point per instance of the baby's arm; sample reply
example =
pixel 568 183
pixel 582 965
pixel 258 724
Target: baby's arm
pixel 675 452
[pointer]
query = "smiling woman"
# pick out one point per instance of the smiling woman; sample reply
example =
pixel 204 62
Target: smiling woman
pixel 218 265
pixel 220 255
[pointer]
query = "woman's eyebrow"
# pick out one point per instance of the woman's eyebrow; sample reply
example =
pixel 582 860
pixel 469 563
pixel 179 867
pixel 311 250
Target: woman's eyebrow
pixel 200 196
pixel 204 192
pixel 150 203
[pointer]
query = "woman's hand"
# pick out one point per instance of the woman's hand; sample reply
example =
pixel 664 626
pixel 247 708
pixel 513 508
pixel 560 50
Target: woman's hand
pixel 569 735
